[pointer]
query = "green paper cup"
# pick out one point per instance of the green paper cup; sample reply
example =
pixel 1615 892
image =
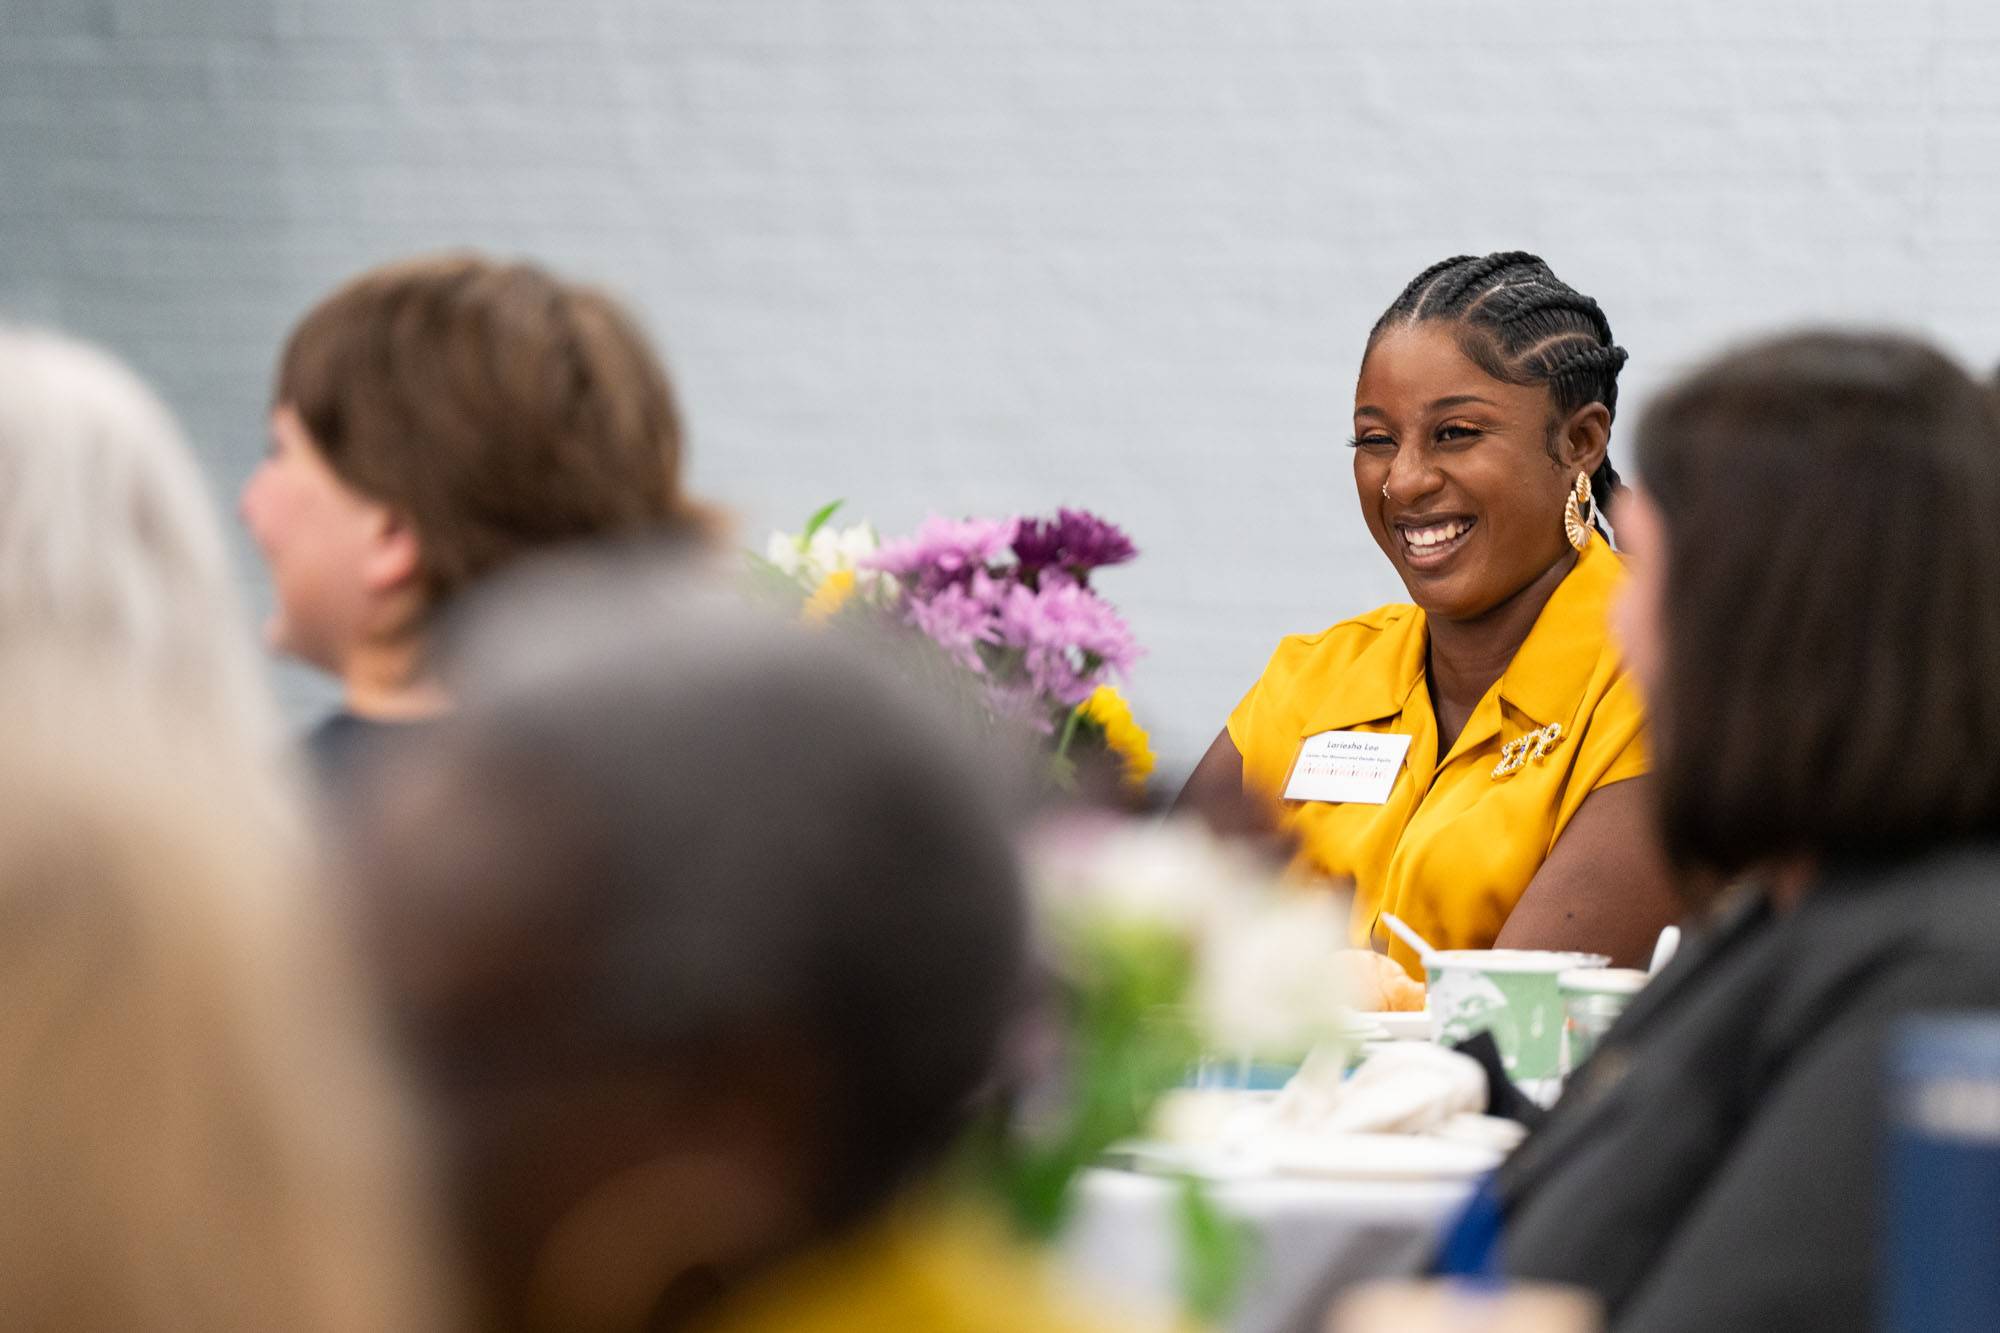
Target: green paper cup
pixel 1511 993
pixel 1592 999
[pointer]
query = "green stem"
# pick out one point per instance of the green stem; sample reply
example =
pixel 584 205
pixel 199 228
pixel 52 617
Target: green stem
pixel 1069 731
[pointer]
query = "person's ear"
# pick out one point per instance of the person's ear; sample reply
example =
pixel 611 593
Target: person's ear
pixel 394 553
pixel 1583 439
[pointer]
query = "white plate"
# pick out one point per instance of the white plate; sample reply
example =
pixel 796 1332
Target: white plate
pixel 1409 1025
pixel 1380 1157
pixel 1152 1157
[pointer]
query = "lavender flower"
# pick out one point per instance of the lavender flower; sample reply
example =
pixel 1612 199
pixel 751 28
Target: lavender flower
pixel 1075 541
pixel 1007 600
pixel 1069 638
pixel 944 552
pixel 1019 701
pixel 958 617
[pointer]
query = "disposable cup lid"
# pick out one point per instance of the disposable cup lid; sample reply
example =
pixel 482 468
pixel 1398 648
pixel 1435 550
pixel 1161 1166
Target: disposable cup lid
pixel 1514 960
pixel 1603 980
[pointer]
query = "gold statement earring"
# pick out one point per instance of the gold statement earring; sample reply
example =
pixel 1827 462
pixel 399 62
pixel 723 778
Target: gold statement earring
pixel 1579 512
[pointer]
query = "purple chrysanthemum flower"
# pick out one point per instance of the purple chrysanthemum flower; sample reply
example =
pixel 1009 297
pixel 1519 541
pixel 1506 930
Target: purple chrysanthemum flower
pixel 957 618
pixel 1075 541
pixel 1069 638
pixel 945 552
pixel 1019 701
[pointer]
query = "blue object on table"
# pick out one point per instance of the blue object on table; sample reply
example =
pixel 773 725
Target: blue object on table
pixel 1240 1075
pixel 1470 1245
pixel 1941 1239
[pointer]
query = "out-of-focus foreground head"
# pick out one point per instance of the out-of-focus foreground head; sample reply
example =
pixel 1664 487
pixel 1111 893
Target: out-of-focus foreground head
pixel 110 547
pixel 201 1129
pixel 1813 610
pixel 704 932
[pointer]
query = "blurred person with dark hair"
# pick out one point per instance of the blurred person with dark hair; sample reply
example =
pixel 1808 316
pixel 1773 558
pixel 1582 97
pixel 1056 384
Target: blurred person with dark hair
pixel 1813 619
pixel 433 421
pixel 203 1132
pixel 1504 734
pixel 705 938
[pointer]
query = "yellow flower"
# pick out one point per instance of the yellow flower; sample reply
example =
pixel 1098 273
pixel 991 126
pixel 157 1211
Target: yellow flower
pixel 833 593
pixel 1124 737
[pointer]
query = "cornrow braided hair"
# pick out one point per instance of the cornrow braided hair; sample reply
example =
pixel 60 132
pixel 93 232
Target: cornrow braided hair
pixel 1521 324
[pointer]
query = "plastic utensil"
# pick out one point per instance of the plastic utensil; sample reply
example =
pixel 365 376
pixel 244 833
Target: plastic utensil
pixel 1663 949
pixel 1407 935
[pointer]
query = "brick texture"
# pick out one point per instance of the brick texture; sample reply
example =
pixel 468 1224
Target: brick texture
pixel 993 254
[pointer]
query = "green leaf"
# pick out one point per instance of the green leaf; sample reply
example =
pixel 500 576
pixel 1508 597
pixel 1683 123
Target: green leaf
pixel 818 521
pixel 1215 1249
pixel 771 585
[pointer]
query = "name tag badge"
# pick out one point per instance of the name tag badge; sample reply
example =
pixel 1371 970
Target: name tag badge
pixel 1357 767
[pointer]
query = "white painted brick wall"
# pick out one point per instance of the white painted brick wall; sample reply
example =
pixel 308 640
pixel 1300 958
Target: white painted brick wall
pixel 997 254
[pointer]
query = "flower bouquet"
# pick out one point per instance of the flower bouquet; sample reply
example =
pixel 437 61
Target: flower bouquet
pixel 1005 602
pixel 1165 946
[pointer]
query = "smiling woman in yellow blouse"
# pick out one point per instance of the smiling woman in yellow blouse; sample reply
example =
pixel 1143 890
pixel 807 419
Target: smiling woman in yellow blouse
pixel 1473 761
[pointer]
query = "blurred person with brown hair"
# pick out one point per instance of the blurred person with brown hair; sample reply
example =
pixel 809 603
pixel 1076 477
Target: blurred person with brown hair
pixel 1813 619
pixel 705 938
pixel 202 1130
pixel 111 550
pixel 433 420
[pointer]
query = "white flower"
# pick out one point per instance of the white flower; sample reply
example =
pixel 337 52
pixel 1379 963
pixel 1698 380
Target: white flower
pixel 810 560
pixel 850 545
pixel 783 551
pixel 1167 876
pixel 1268 978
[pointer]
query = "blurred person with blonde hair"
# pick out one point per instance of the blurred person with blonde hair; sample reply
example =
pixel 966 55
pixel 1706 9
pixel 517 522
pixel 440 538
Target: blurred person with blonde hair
pixel 201 1133
pixel 434 420
pixel 111 550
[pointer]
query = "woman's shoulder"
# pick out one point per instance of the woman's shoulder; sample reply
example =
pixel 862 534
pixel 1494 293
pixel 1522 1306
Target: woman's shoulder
pixel 1371 654
pixel 1348 639
pixel 1886 938
pixel 1363 665
pixel 1931 911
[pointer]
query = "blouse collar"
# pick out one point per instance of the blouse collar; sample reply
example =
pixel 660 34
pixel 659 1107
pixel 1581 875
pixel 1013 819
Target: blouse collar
pixel 1548 675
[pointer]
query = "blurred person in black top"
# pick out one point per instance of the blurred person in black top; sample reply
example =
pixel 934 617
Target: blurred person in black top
pixel 1813 617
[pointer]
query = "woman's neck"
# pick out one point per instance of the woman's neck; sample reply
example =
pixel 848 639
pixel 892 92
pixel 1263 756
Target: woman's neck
pixel 1465 657
pixel 390 681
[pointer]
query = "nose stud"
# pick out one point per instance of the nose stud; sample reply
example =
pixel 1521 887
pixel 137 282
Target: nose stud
pixel 1385 490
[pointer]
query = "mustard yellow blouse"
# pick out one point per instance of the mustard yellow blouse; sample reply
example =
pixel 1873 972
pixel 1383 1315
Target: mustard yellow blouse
pixel 934 1268
pixel 1453 847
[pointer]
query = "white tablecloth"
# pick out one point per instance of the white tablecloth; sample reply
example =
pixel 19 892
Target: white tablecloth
pixel 1314 1238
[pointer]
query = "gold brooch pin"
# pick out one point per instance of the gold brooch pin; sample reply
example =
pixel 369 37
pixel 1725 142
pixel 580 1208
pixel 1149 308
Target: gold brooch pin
pixel 1535 745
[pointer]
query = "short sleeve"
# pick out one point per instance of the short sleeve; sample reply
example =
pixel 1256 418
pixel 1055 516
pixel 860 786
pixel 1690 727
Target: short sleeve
pixel 1242 721
pixel 1614 745
pixel 1312 678
pixel 1264 725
